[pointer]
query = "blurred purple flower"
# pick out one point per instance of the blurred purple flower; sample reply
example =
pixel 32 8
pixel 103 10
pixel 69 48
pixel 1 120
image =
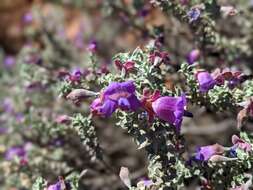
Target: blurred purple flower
pixel 28 17
pixel 9 61
pixel 14 151
pixel 184 2
pixel 204 153
pixel 241 144
pixel 7 106
pixel 205 80
pixel 79 40
pixel 19 117
pixel 116 95
pixel 3 130
pixel 193 56
pixel 144 11
pixel 194 14
pixel 170 109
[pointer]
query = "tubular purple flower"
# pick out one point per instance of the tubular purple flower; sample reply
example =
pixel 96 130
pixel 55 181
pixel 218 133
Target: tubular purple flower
pixel 193 56
pixel 206 81
pixel 56 186
pixel 170 109
pixel 60 185
pixel 117 95
pixel 204 153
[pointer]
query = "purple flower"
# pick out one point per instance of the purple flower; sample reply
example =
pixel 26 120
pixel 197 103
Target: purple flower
pixel 3 130
pixel 18 151
pixel 128 66
pixel 156 58
pixel 205 80
pixel 145 183
pixel 241 144
pixel 9 61
pixel 170 109
pixel 14 151
pixel 194 14
pixel 56 186
pixel 144 11
pixel 92 46
pixel 193 56
pixel 7 106
pixel 204 153
pixel 116 95
pixel 28 18
pixel 60 185
pixel 234 78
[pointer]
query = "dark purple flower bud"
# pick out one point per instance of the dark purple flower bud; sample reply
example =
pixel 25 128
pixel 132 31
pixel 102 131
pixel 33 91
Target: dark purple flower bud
pixel 93 46
pixel 241 144
pixel 144 12
pixel 205 80
pixel 117 95
pixel 75 75
pixel 128 66
pixel 193 56
pixel 9 61
pixel 170 109
pixel 157 58
pixel 204 153
pixel 194 14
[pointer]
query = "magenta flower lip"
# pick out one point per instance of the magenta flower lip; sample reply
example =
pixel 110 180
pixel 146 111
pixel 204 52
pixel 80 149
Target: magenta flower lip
pixel 117 95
